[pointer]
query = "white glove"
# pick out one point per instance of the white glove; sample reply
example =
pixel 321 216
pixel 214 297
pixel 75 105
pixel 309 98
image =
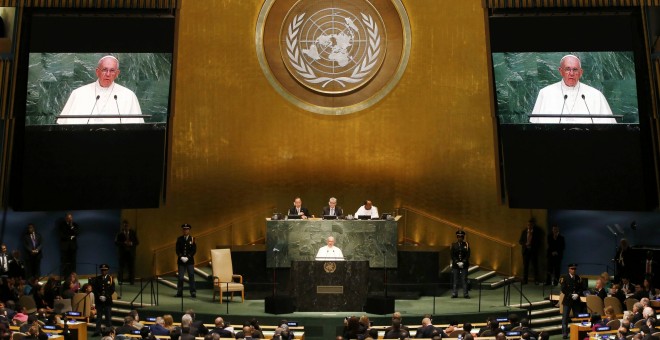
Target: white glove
pixel 574 296
pixel 184 259
pixel 460 264
pixel 102 298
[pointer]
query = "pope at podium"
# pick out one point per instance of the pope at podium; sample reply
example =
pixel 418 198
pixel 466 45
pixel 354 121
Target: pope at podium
pixel 329 251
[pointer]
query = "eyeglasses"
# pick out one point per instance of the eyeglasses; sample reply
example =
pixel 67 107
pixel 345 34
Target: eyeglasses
pixel 109 70
pixel 569 70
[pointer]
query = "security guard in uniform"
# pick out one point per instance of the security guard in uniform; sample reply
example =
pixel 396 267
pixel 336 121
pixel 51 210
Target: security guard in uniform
pixel 460 262
pixel 104 287
pixel 185 252
pixel 572 287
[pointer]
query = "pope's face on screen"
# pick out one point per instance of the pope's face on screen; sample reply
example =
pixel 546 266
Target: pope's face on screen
pixel 107 70
pixel 570 70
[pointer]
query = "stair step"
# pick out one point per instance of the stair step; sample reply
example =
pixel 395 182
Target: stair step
pixel 166 282
pixel 473 269
pixel 483 275
pixel 545 311
pixel 554 329
pixel 203 274
pixel 502 282
pixel 535 304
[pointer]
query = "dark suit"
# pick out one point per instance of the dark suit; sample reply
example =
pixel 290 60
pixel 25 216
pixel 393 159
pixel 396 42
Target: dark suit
pixel 4 263
pixel 103 285
pixel 623 263
pixel 33 254
pixel 602 293
pixel 338 211
pixel 16 267
pixel 303 210
pixel 555 253
pixel 460 252
pixel 68 246
pixel 126 242
pixel 569 286
pixel 531 253
pixel 426 332
pixel 222 332
pixel 186 247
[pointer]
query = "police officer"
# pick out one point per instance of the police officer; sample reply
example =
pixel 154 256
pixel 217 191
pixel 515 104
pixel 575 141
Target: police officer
pixel 572 287
pixel 460 262
pixel 104 287
pixel 185 252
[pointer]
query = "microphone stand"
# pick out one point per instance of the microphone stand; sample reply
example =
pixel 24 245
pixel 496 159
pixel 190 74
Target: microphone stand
pixel 385 269
pixel 276 251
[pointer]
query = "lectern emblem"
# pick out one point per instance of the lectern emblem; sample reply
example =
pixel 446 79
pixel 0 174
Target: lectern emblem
pixel 330 267
pixel 333 56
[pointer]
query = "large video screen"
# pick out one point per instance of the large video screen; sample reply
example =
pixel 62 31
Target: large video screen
pixel 141 88
pixel 92 107
pixel 572 108
pixel 520 76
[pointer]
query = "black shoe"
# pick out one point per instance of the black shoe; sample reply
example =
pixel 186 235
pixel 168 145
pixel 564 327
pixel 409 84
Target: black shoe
pixel 193 295
pixel 178 295
pixel 454 296
pixel 466 296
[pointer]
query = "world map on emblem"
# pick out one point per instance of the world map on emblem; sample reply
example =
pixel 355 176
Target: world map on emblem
pixel 333 49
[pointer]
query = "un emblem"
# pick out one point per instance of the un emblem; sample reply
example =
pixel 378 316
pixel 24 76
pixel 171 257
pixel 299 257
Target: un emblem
pixel 334 50
pixel 333 56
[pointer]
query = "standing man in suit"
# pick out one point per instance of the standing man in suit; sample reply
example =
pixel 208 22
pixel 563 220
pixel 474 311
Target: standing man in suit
pixel 622 260
pixel 104 287
pixel 332 209
pixel 126 241
pixel 32 244
pixel 555 253
pixel 69 231
pixel 299 210
pixel 460 262
pixel 4 260
pixel 572 287
pixel 530 240
pixel 185 252
pixel 651 268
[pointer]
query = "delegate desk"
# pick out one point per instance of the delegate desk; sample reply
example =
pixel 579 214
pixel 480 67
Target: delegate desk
pixel 288 241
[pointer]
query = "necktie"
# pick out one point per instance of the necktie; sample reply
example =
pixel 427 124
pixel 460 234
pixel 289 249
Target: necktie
pixel 332 211
pixel 648 266
pixel 34 242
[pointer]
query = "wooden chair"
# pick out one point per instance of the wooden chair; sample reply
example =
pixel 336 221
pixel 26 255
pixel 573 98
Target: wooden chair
pixel 82 303
pixel 614 324
pixel 224 279
pixel 640 323
pixel 595 304
pixel 18 336
pixel 27 301
pixel 615 303
pixel 456 333
pixel 630 302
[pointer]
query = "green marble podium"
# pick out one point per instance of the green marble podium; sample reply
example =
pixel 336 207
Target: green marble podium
pixel 299 240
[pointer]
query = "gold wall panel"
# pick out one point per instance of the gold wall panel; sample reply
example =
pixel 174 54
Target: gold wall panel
pixel 239 148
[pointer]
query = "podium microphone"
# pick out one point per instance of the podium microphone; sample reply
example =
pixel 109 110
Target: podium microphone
pixel 585 104
pixel 119 113
pixel 92 112
pixel 562 107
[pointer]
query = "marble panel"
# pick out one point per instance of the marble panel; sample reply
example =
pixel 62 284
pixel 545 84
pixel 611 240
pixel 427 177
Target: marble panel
pixel 299 240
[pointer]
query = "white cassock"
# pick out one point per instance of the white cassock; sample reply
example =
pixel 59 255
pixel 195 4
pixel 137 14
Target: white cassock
pixel 82 101
pixel 327 253
pixel 551 101
pixel 373 212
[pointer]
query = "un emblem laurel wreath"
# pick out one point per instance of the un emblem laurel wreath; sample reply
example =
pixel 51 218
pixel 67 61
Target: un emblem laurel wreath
pixel 305 71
